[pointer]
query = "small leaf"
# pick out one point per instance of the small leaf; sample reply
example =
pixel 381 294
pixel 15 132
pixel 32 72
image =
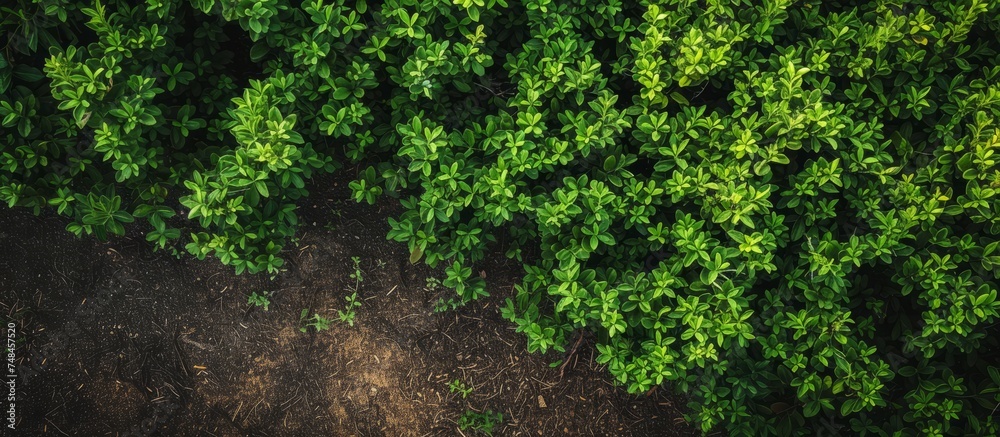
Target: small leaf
pixel 341 93
pixel 415 255
pixel 610 163
pixel 679 98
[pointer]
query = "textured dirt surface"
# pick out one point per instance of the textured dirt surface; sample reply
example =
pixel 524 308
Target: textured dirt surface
pixel 118 340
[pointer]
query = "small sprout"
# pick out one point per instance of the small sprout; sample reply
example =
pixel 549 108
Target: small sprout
pixel 482 422
pixel 457 386
pixel 347 315
pixel 262 299
pixel 317 322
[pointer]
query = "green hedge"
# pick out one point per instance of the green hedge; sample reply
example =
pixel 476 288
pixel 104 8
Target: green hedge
pixel 787 211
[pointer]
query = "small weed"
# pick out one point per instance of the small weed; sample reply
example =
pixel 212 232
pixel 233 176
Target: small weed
pixel 316 322
pixel 347 315
pixel 357 273
pixel 432 284
pixel 457 386
pixel 482 422
pixel 443 305
pixel 335 211
pixel 263 299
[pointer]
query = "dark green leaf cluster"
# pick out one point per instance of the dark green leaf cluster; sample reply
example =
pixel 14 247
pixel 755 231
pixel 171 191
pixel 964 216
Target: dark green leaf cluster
pixel 113 112
pixel 787 210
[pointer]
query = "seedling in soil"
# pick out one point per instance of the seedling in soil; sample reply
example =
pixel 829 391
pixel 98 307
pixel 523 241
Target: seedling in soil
pixel 347 315
pixel 356 276
pixel 457 386
pixel 443 305
pixel 482 422
pixel 317 321
pixel 336 212
pixel 260 300
pixel 432 284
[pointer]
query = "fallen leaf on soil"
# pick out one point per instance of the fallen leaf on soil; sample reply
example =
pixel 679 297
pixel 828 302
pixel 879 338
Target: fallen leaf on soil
pixel 541 402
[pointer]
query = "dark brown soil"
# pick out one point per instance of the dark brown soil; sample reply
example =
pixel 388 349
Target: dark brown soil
pixel 118 340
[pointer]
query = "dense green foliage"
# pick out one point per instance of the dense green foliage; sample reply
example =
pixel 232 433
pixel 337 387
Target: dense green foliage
pixel 787 210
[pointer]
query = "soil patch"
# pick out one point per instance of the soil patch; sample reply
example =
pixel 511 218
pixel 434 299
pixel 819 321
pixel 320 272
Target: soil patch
pixel 118 340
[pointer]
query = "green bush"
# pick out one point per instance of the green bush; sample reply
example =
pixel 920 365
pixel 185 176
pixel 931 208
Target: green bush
pixel 786 210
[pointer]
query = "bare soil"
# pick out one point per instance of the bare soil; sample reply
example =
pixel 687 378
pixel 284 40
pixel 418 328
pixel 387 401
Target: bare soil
pixel 117 340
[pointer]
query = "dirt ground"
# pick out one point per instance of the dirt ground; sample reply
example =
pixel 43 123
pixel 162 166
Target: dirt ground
pixel 114 339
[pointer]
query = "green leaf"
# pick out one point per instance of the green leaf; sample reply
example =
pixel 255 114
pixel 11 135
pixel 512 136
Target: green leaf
pixel 341 93
pixel 262 188
pixel 679 98
pixel 415 255
pixel 28 73
pixel 610 163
